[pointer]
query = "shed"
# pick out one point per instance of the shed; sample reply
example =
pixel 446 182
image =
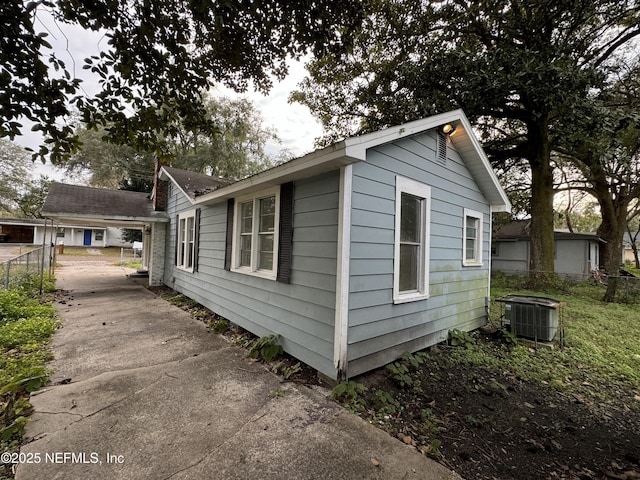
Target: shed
pixel 353 254
pixel 576 255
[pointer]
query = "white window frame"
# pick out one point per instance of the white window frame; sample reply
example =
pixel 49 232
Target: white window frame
pixel 422 191
pixel 253 269
pixel 186 243
pixel 477 260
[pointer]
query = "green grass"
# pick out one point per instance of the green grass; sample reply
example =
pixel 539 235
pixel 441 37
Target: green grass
pixel 602 341
pixel 26 327
pixel 135 264
pixel 105 252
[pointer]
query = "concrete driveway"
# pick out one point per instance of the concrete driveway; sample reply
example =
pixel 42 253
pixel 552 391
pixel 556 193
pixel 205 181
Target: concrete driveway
pixel 143 391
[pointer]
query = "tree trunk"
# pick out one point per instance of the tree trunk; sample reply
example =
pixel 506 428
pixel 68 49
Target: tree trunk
pixel 611 230
pixel 541 262
pixel 633 239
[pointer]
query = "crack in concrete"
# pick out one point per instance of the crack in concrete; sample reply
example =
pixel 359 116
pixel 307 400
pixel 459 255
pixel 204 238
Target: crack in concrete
pixel 61 413
pixel 254 418
pixel 106 407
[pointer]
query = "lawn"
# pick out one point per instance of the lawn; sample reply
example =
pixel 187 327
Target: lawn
pixel 489 406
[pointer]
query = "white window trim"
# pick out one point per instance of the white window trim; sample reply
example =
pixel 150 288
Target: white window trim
pixel 411 187
pixel 476 262
pixel 180 263
pixel 235 246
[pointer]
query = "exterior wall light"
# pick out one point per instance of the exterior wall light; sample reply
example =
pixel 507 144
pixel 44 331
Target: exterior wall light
pixel 448 129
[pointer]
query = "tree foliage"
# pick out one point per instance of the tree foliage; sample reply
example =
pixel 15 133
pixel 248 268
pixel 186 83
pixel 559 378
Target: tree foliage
pixel 15 174
pixel 236 149
pixel 607 160
pixel 520 71
pixel 110 165
pixel 32 198
pixel 157 55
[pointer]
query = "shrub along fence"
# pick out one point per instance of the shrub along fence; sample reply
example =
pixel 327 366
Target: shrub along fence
pixel 15 270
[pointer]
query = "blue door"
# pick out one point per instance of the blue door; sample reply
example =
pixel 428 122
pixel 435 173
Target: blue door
pixel 87 237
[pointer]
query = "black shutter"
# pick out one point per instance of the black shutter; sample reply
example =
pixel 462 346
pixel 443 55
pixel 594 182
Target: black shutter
pixel 285 245
pixel 177 247
pixel 196 239
pixel 229 240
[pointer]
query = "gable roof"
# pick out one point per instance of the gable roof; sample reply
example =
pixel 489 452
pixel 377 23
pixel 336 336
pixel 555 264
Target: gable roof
pixel 87 204
pixel 352 150
pixel 519 230
pixel 194 184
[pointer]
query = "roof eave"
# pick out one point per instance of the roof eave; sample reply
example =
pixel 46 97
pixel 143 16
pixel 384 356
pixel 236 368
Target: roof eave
pixel 115 220
pixel 489 184
pixel 353 150
pixel 315 163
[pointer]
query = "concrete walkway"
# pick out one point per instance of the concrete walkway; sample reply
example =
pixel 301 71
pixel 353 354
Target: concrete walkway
pixel 145 392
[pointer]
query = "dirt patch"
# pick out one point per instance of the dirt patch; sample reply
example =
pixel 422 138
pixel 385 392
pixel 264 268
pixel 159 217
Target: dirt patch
pixel 488 425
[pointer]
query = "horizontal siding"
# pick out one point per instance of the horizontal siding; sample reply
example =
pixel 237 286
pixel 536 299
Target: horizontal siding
pixel 380 331
pixel 302 313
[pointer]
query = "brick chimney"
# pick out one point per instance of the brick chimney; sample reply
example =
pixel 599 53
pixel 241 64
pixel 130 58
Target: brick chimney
pixel 160 189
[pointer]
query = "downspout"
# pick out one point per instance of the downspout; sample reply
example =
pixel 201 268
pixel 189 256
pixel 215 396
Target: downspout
pixel 342 273
pixel 488 297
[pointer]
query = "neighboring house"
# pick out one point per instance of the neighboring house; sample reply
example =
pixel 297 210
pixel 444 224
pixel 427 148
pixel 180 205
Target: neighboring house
pixel 353 255
pixel 576 255
pixel 101 209
pixel 31 231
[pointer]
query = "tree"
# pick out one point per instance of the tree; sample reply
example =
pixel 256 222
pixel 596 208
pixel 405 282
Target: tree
pixel 32 199
pixel 579 217
pixel 131 235
pixel 516 68
pixel 109 165
pixel 604 147
pixel 15 174
pixel 236 149
pixel 157 54
pixel 633 230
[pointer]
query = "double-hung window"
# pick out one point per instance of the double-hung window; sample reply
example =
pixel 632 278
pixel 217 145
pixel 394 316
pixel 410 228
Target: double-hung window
pixel 256 225
pixel 472 238
pixel 186 238
pixel 411 252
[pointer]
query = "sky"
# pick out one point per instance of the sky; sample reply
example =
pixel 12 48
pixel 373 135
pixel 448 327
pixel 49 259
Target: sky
pixel 294 123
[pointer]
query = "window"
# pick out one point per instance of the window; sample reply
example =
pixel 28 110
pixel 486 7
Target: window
pixel 99 235
pixel 411 256
pixel 472 235
pixel 60 232
pixel 186 237
pixel 255 242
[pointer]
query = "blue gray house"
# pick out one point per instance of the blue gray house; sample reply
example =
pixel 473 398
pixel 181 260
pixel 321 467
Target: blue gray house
pixel 575 256
pixel 353 255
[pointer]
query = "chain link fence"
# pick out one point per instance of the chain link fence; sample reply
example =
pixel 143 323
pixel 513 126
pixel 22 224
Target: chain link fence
pixel 33 263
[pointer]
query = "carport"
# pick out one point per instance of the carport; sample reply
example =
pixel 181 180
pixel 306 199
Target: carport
pixel 90 206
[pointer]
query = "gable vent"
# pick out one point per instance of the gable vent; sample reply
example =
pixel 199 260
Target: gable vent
pixel 441 157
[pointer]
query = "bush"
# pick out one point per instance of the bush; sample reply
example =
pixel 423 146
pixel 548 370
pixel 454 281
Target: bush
pixel 26 327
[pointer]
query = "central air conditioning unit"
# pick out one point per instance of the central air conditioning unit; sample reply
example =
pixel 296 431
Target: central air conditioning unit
pixel 536 318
